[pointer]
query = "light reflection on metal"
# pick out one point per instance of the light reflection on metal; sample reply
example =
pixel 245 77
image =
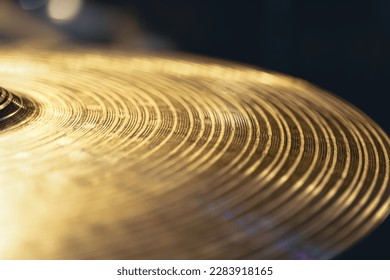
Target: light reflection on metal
pixel 63 11
pixel 126 156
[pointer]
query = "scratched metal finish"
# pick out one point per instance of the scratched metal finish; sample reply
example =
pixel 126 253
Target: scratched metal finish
pixel 121 156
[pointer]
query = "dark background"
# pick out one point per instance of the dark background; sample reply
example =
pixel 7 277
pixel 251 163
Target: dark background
pixel 342 46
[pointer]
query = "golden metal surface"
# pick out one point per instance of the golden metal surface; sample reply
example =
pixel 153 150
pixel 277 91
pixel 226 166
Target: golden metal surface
pixel 130 156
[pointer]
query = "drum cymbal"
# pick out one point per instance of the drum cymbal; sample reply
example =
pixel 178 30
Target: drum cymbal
pixel 125 156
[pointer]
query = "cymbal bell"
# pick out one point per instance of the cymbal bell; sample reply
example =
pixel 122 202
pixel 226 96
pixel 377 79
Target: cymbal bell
pixel 129 156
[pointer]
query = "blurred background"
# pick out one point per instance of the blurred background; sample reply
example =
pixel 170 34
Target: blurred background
pixel 342 46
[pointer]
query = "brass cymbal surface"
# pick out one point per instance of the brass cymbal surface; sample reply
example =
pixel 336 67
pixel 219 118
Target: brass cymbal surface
pixel 129 156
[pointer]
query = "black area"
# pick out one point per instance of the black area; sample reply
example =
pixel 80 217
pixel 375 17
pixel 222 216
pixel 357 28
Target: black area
pixel 342 46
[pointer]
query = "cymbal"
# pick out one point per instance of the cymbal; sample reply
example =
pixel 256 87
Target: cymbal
pixel 107 155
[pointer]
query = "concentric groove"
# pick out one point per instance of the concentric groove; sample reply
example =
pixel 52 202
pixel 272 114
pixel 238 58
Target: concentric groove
pixel 128 156
pixel 13 109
